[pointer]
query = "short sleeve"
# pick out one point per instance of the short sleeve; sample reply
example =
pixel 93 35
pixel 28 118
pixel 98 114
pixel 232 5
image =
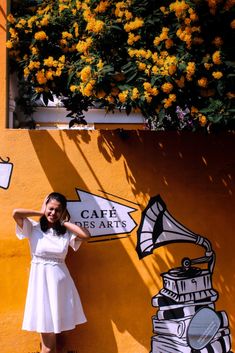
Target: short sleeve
pixel 74 242
pixel 26 231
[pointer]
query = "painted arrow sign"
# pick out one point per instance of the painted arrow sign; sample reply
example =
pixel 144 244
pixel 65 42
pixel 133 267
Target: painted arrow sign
pixel 103 217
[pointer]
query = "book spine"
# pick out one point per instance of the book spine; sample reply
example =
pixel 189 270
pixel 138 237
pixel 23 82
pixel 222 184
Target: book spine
pixel 168 327
pixel 188 285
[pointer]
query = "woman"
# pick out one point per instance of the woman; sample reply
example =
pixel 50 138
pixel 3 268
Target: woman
pixel 53 303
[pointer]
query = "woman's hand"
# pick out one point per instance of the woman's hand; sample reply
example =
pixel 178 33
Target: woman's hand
pixel 65 217
pixel 44 205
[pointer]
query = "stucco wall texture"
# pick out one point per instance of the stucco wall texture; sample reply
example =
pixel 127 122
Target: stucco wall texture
pixel 194 174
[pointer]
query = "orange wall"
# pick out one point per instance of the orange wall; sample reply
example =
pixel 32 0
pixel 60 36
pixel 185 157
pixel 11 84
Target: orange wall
pixel 193 173
pixel 2 63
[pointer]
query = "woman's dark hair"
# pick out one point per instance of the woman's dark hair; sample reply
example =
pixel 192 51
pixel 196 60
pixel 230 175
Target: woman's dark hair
pixel 43 221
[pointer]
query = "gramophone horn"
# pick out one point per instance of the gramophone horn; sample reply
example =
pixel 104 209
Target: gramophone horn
pixel 158 228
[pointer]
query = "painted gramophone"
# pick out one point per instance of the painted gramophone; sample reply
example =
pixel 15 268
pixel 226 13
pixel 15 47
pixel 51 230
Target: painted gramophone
pixel 186 320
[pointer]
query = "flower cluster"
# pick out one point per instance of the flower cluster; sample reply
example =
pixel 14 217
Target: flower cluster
pixel 151 56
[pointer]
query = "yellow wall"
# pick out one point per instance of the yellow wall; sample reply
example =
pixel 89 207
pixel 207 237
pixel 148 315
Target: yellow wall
pixel 194 174
pixel 2 63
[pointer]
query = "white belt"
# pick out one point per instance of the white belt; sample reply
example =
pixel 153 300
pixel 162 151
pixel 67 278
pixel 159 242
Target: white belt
pixel 46 260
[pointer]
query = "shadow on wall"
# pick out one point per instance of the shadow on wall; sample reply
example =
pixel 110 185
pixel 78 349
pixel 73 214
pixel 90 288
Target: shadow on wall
pixel 196 177
pixel 3 14
pixel 196 174
pixel 111 288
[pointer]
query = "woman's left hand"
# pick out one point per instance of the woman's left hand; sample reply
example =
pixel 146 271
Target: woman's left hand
pixel 65 217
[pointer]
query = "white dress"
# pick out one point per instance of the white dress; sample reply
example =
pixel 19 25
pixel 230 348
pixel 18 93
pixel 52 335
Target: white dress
pixel 53 303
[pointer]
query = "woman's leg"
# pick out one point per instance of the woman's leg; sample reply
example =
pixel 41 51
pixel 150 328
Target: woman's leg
pixel 48 341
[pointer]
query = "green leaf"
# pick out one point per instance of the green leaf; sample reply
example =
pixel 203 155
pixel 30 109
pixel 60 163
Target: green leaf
pixel 215 118
pixel 130 78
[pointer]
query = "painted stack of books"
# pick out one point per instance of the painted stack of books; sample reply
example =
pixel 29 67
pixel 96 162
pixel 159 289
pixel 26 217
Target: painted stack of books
pixel 175 325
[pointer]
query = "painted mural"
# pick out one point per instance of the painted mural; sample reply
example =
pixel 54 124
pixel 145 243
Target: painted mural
pixel 102 216
pixel 186 320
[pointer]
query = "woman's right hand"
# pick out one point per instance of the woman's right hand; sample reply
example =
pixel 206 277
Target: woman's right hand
pixel 44 205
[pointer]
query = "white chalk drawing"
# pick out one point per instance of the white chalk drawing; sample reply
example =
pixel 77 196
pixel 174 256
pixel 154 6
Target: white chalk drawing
pixel 186 320
pixel 6 169
pixel 103 217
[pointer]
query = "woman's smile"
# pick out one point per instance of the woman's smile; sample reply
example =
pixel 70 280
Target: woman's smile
pixel 53 211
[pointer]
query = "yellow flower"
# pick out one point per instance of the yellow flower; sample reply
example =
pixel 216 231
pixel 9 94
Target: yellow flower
pixel 45 20
pixel 179 7
pixel 156 41
pixel 169 43
pixel 95 26
pixel 128 15
pixel 202 82
pixel 141 66
pixel 123 96
pixel 34 50
pixel 76 29
pixel 38 89
pixel 9 44
pixel 147 86
pixel 21 23
pixel 100 64
pixel 194 111
pixel 41 78
pixel 202 120
pixel 120 9
pixel 41 35
pixel 10 18
pixel 131 26
pixel 31 20
pixel 168 101
pixel 135 94
pixel 190 69
pixel 164 33
pixel 193 16
pixel 88 89
pixel 83 46
pixel 49 61
pixel 132 38
pixel 67 35
pixel 147 97
pixel 62 7
pixel 155 70
pixel 34 65
pixel 49 75
pixel 13 33
pixel 149 89
pixel 216 58
pixel 102 6
pixel 26 72
pixel 62 59
pixel 167 87
pixel 85 73
pixel 208 66
pixel 217 74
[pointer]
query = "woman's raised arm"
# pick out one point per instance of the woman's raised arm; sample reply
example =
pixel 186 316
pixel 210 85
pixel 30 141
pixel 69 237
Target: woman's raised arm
pixel 80 232
pixel 20 213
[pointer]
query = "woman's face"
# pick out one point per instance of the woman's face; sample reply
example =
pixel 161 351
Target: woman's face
pixel 53 211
